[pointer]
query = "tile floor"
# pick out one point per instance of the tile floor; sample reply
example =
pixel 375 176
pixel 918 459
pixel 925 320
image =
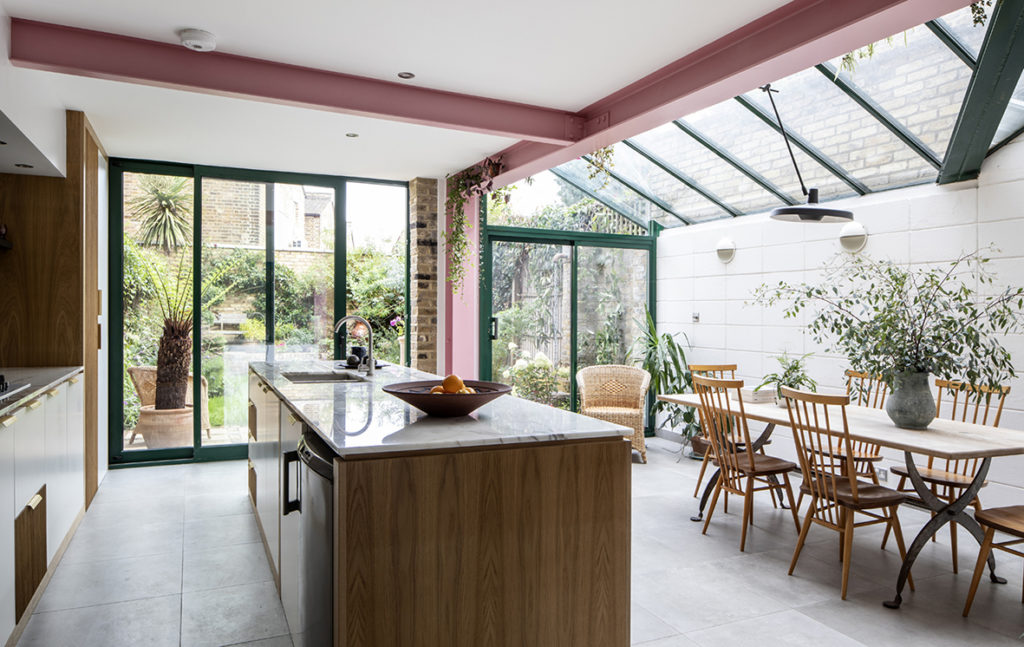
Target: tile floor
pixel 171 556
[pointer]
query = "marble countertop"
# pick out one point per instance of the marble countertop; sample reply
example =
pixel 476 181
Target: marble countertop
pixel 358 418
pixel 41 379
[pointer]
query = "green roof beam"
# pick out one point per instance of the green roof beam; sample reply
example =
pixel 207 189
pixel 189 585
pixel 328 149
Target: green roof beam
pixel 643 193
pixel 953 42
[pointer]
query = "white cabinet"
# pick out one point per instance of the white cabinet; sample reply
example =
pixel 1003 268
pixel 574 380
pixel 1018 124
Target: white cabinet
pixel 76 445
pixel 291 526
pixel 6 526
pixel 264 454
pixel 30 464
pixel 58 468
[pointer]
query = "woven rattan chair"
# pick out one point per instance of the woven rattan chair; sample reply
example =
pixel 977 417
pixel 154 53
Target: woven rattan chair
pixel 825 450
pixel 966 403
pixel 1009 520
pixel 720 372
pixel 742 470
pixel 144 381
pixel 616 394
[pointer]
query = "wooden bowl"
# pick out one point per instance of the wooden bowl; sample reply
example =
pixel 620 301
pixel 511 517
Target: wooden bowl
pixel 447 405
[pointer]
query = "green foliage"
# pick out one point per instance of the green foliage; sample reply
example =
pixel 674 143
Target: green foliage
pixel 888 319
pixel 376 287
pixel 215 406
pixel 537 379
pixel 577 213
pixel 793 374
pixel 165 211
pixel 474 181
pixel 665 359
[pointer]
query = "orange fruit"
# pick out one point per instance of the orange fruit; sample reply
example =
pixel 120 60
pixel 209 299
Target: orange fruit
pixel 437 389
pixel 463 390
pixel 452 384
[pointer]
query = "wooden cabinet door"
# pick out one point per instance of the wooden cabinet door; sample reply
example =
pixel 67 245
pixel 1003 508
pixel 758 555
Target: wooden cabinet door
pixel 7 526
pixel 29 550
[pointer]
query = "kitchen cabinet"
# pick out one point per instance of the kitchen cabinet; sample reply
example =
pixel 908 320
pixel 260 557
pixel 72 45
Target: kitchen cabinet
pixel 76 446
pixel 58 468
pixel 291 525
pixel 30 464
pixel 265 453
pixel 6 525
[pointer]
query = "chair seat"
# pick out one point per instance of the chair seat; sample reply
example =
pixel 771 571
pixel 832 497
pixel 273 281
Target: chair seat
pixel 763 465
pixel 1009 519
pixel 869 495
pixel 938 477
pixel 611 411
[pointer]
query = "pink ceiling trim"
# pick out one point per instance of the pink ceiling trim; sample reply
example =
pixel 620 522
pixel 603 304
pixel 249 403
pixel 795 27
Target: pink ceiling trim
pixel 796 36
pixel 57 48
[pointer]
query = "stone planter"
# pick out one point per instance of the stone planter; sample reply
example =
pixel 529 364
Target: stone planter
pixel 911 404
pixel 163 428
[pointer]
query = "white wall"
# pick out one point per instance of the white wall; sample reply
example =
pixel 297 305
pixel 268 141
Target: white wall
pixel 918 225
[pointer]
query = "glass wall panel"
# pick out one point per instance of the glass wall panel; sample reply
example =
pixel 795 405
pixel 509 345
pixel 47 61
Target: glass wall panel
pixel 961 24
pixel 919 81
pixel 685 201
pixel 545 201
pixel 531 301
pixel 813 106
pixel 1013 118
pixel 157 298
pixel 597 181
pixel 760 147
pixel 376 228
pixel 684 153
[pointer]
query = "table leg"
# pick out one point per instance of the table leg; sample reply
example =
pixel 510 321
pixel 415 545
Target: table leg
pixel 944 513
pixel 710 487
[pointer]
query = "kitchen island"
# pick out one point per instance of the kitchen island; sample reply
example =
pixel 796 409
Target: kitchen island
pixel 507 527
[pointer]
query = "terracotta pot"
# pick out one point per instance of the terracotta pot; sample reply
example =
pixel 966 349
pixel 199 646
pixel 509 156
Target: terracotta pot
pixel 163 428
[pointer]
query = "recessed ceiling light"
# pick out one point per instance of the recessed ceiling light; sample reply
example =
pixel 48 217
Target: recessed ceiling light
pixel 351 134
pixel 406 75
pixel 24 166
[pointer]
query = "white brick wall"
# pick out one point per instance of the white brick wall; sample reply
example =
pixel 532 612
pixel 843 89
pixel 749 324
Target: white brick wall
pixel 918 225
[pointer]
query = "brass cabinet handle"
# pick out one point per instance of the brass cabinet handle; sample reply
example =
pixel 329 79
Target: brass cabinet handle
pixel 35 501
pixel 7 421
pixel 74 380
pixel 52 393
pixel 251 467
pixel 35 404
pixel 292 417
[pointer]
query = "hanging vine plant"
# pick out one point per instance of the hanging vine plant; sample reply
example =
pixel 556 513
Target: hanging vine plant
pixel 601 161
pixel 474 181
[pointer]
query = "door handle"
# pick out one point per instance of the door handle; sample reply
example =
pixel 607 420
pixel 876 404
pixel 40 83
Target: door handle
pixel 288 505
pixel 34 502
pixel 494 327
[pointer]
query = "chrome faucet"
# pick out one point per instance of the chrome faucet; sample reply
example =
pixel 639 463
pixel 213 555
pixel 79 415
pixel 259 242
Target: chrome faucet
pixel 370 363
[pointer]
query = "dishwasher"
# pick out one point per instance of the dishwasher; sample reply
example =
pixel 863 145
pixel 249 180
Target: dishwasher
pixel 316 559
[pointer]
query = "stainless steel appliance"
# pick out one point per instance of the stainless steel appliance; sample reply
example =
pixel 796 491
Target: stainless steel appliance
pixel 316 558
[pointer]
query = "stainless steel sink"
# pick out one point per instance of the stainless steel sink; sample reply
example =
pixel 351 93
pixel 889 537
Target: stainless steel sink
pixel 304 378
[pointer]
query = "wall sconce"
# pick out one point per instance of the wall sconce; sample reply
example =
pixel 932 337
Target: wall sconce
pixel 853 237
pixel 726 250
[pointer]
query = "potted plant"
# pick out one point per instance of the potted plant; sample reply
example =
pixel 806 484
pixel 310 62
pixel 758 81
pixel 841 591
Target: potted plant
pixel 792 373
pixel 905 323
pixel 664 358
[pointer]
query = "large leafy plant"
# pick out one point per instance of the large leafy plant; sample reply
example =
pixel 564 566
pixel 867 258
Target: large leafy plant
pixel 792 373
pixel 164 209
pixel 889 319
pixel 665 359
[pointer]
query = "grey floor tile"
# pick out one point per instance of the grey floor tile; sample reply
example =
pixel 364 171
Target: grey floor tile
pixel 674 641
pixel 142 509
pixel 231 615
pixel 153 622
pixel 277 641
pixel 204 506
pixel 645 626
pixel 784 628
pixel 225 566
pixel 213 532
pixel 117 580
pixel 93 543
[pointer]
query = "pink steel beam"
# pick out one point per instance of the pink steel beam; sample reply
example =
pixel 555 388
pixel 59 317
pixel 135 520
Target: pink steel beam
pixel 796 36
pixel 70 50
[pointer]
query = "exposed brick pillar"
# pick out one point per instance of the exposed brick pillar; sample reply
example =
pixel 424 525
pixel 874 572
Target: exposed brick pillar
pixel 423 267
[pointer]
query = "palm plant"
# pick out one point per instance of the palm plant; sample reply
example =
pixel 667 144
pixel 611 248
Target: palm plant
pixel 174 294
pixel 665 359
pixel 165 211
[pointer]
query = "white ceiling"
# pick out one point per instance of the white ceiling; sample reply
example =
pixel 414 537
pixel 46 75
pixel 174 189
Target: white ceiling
pixel 564 55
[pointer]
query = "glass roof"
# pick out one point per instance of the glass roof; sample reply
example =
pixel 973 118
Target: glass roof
pixel 885 124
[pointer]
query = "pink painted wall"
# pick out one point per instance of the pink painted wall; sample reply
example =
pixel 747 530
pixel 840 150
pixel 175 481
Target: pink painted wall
pixel 462 310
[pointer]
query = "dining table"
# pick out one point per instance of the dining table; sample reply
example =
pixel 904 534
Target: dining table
pixel 943 439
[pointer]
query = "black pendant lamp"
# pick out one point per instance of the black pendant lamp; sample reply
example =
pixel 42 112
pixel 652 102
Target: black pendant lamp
pixel 812 211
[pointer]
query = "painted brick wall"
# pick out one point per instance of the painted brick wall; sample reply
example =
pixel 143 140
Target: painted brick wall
pixel 918 225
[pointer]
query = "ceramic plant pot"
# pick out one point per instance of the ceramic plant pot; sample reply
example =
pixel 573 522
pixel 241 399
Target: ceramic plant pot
pixel 162 428
pixel 911 404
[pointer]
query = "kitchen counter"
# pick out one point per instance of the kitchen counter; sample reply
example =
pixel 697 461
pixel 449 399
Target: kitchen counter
pixel 41 379
pixel 358 418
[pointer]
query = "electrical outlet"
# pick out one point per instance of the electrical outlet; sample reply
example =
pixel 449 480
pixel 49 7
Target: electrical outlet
pixel 883 474
pixel 696 317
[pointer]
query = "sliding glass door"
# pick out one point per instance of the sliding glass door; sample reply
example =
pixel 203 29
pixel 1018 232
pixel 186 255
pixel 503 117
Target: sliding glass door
pixel 217 268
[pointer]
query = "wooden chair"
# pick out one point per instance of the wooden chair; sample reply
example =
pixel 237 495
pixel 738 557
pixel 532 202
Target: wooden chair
pixel 866 390
pixel 823 444
pixel 616 394
pixel 144 381
pixel 1009 520
pixel 967 403
pixel 725 424
pixel 720 372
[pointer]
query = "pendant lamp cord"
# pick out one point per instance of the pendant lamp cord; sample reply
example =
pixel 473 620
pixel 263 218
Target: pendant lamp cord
pixel 767 89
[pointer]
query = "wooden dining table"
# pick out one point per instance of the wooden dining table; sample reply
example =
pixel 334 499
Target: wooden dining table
pixel 944 439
